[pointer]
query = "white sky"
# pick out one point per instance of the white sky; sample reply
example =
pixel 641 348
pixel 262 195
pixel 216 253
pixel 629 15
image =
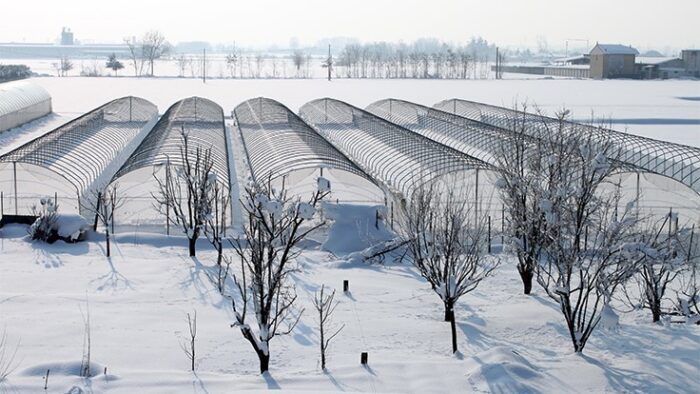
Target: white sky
pixel 642 23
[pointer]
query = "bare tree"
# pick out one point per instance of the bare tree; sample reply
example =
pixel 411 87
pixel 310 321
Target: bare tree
pixel 135 55
pixel 183 62
pixel 7 357
pixel 188 346
pixel 103 204
pixel 231 62
pixel 664 254
pixel 215 231
pixel 259 63
pixel 325 306
pixel 267 248
pixel 519 161
pixel 63 65
pixel 447 243
pixel 154 46
pixel 298 58
pixel 86 363
pixel 688 292
pixel 582 263
pixel 186 195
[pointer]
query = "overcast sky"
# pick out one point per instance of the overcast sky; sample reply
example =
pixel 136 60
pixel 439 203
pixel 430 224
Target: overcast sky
pixel 642 23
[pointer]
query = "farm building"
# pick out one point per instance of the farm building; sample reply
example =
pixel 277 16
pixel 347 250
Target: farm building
pixel 613 61
pixel 691 61
pixel 22 102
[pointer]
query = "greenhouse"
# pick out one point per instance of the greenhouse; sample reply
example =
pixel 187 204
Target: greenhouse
pixel 280 145
pixel 399 158
pixel 68 163
pixel 661 175
pixel 22 102
pixel 675 161
pixel 202 122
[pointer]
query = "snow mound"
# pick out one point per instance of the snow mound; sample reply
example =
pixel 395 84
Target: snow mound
pixel 503 370
pixel 354 228
pixel 71 226
pixel 62 368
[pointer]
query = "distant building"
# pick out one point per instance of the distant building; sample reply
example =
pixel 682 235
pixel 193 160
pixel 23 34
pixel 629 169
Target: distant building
pixel 691 60
pixel 67 37
pixel 573 60
pixel 613 61
pixel 660 67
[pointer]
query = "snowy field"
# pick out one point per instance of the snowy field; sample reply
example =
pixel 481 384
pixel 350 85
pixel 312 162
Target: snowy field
pixel 138 298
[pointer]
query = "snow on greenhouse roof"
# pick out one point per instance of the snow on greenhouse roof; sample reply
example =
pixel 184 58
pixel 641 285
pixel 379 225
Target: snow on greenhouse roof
pixel 17 95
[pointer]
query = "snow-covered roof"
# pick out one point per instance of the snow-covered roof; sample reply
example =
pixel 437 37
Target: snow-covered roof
pixel 615 49
pixel 654 60
pixel 571 58
pixel 17 95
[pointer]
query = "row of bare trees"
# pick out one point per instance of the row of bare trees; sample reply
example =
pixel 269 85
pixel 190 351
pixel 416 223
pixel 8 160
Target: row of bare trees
pixel 423 59
pixel 572 229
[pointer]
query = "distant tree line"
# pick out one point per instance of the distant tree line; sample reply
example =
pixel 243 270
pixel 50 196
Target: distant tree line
pixel 426 58
pixel 12 72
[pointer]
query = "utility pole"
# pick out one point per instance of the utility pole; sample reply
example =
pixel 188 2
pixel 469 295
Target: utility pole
pixel 329 62
pixel 497 64
pixel 204 65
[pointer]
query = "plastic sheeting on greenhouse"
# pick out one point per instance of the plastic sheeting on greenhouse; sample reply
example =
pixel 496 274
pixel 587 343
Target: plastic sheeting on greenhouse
pixel 280 145
pixel 202 121
pixel 75 160
pixel 22 102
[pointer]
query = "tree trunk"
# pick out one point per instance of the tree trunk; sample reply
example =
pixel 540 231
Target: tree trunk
pixel 449 310
pixel 264 362
pixel 656 311
pixel 192 244
pixel 453 326
pixel 107 239
pixel 526 275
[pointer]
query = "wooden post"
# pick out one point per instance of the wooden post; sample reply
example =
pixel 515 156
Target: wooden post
pixel 346 286
pixel 14 177
pixel 363 358
pixel 376 219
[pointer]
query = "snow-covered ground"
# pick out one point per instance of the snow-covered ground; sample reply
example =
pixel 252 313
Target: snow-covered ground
pixel 138 299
